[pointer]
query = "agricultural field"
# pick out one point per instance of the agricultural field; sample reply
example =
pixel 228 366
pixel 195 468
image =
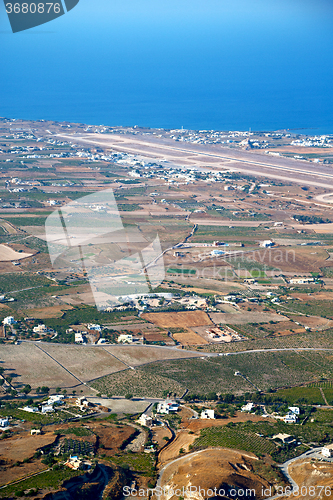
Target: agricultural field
pixel 181 319
pixel 243 318
pixel 189 338
pixel 261 370
pixel 63 365
pixel 27 364
pixel 84 362
pixel 139 384
pixel 138 355
pixel 233 437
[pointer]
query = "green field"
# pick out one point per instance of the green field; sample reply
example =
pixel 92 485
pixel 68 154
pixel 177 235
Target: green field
pixel 264 370
pixel 306 395
pixel 256 437
pixel 233 437
pixel 179 270
pixel 27 221
pixel 138 383
pixel 47 480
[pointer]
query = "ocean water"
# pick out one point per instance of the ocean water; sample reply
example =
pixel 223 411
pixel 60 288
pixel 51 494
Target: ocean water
pixel 201 65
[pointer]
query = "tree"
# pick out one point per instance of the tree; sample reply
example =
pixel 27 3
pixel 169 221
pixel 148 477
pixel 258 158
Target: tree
pixel 129 396
pixel 26 389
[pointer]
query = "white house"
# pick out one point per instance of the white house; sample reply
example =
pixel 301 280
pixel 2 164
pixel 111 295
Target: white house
pixel 167 407
pixel 301 281
pixel 4 422
pixel 267 243
pixel 145 420
pixel 74 463
pixel 30 409
pixel 35 432
pixel 124 338
pixel 92 326
pixel 294 409
pixel 291 418
pixel 327 450
pixel 41 329
pixel 79 339
pixel 55 399
pixel 9 320
pixel 47 409
pixel 248 407
pixel 207 414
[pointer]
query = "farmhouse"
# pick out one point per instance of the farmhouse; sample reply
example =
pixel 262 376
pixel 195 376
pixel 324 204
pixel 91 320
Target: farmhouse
pixel 248 407
pixel 266 243
pixel 92 326
pixel 145 420
pixel 294 409
pixel 47 409
pixel 327 451
pixel 301 281
pixel 30 409
pixel 207 414
pixel 285 438
pixel 4 422
pixel 41 329
pixel 125 338
pixel 291 418
pixel 74 463
pixel 35 432
pixel 79 338
pixel 55 399
pixel 9 320
pixel 167 407
pixel 225 334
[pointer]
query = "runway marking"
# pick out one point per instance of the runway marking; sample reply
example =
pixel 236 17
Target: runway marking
pixel 126 147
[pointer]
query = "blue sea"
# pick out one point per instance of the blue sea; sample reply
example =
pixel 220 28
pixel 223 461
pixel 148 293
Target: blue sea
pixel 213 64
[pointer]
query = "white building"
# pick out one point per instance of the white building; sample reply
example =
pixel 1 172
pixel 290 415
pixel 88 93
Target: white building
pixel 291 418
pixel 327 450
pixel 125 338
pixel 266 243
pixel 9 320
pixel 79 338
pixel 41 329
pixel 47 409
pixel 92 326
pixel 56 399
pixel 294 409
pixel 301 281
pixel 167 407
pixel 248 407
pixel 30 409
pixel 145 420
pixel 207 414
pixel 4 422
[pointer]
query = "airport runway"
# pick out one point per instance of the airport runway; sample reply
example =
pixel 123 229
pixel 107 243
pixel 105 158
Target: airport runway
pixel 214 157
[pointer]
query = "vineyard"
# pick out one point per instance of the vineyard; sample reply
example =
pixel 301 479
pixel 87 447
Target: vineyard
pixel 232 436
pixel 138 383
pixel 75 447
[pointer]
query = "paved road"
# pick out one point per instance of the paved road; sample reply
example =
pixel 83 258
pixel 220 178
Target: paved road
pixel 313 453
